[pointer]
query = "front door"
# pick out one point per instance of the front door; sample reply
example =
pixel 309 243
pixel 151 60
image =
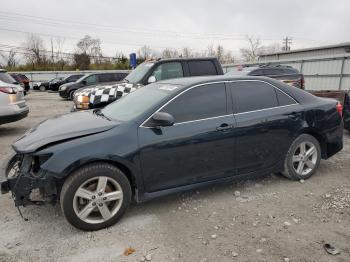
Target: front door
pixel 197 148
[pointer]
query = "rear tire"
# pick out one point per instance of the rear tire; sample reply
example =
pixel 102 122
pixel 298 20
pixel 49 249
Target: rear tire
pixel 42 88
pixel 95 196
pixel 303 158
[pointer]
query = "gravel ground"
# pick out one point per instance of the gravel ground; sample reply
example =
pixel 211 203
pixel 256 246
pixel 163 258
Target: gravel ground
pixel 262 219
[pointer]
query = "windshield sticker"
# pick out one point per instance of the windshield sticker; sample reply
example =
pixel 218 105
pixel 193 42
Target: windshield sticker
pixel 168 87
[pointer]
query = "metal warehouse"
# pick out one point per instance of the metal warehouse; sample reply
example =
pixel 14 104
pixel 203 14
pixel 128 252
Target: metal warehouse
pixel 324 68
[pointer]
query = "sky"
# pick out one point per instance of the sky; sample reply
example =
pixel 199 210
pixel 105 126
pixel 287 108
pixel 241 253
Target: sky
pixel 127 25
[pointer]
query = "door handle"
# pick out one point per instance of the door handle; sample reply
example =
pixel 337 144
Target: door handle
pixel 224 127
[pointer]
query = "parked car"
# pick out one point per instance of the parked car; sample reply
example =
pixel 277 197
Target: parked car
pixel 343 97
pixel 147 72
pixel 69 79
pixel 67 90
pixel 286 74
pixel 12 104
pixel 22 80
pixel 170 136
pixel 44 86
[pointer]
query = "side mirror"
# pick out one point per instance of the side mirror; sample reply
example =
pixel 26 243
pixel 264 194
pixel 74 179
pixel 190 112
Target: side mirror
pixel 151 79
pixel 160 119
pixel 84 82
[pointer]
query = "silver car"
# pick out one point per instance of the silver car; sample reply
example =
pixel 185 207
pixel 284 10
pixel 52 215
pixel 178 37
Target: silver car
pixel 12 104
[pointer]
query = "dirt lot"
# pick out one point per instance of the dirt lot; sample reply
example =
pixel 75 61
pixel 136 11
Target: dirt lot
pixel 263 219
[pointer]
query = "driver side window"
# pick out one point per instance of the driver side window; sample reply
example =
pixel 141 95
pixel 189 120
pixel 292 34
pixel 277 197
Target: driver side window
pixel 167 71
pixel 91 79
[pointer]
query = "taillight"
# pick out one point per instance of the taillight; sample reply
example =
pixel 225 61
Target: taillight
pixel 339 108
pixel 8 90
pixel 302 83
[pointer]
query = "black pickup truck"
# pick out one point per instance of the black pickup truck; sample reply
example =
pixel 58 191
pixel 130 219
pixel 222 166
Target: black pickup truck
pixel 148 72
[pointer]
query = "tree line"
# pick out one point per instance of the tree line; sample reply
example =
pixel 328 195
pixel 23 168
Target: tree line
pixel 34 55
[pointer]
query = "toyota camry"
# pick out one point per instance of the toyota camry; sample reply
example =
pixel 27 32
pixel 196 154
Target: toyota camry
pixel 168 137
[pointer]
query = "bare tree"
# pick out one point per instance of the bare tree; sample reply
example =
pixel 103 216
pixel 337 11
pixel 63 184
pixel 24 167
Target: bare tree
pixel 251 53
pixel 210 51
pixel 10 59
pixel 170 53
pixel 36 52
pixel 145 52
pixel 91 47
pixel 186 52
pixel 220 53
pixel 270 49
pixel 61 58
pixel 227 58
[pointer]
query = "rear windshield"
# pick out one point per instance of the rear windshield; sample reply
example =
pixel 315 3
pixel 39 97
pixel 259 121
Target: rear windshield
pixel 5 77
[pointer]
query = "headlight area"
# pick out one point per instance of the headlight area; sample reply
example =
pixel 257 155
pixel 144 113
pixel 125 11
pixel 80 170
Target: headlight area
pixel 82 102
pixel 28 183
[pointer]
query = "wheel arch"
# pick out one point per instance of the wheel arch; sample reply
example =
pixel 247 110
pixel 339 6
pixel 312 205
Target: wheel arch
pixel 127 170
pixel 322 140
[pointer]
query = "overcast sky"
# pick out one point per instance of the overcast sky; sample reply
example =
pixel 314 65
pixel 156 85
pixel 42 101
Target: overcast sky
pixel 127 25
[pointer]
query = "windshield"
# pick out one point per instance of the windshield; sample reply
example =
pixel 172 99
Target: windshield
pixel 136 76
pixel 5 77
pixel 135 104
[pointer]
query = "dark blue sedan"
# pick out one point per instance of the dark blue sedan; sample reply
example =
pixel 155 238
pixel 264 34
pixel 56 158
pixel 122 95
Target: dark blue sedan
pixel 170 136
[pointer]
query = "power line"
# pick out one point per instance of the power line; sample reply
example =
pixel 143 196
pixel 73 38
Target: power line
pixel 77 38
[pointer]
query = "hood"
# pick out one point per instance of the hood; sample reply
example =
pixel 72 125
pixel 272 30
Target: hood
pixel 61 128
pixel 98 89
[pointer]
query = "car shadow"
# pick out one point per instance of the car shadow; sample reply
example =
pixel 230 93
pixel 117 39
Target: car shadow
pixel 53 215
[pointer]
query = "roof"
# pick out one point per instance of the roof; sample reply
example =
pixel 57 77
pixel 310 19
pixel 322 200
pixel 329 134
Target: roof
pixel 182 59
pixel 3 70
pixel 196 80
pixel 347 44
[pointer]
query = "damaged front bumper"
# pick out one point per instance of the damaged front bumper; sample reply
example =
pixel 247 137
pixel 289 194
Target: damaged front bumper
pixel 27 183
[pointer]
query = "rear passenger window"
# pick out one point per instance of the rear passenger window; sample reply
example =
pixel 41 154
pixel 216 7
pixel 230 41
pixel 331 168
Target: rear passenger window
pixel 200 68
pixel 198 103
pixel 290 71
pixel 106 78
pixel 283 99
pixel 253 95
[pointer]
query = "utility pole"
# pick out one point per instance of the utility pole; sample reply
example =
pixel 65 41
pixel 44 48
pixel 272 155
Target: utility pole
pixel 286 43
pixel 52 57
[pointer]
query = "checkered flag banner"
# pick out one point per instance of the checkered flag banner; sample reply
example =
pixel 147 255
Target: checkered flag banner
pixel 107 93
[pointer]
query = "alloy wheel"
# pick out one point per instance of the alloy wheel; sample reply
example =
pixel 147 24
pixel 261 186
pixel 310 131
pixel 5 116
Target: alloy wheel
pixel 98 199
pixel 305 158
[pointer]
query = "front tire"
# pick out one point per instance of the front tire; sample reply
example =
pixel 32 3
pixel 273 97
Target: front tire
pixel 42 88
pixel 303 158
pixel 71 95
pixel 95 196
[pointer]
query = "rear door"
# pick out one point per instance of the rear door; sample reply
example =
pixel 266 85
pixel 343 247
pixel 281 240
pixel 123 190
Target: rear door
pixel 266 121
pixel 103 78
pixel 198 147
